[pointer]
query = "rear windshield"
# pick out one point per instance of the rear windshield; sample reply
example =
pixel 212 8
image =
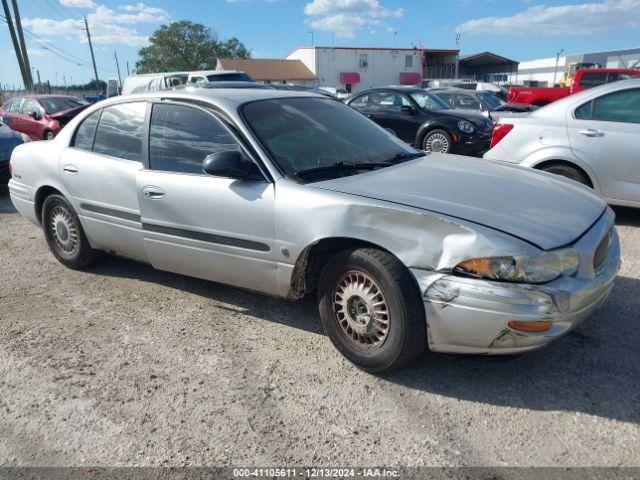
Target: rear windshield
pixel 59 104
pixel 229 77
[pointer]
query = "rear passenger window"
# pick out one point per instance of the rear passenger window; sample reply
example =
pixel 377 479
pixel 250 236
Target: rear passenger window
pixel 119 132
pixel 590 80
pixel 181 137
pixel 84 134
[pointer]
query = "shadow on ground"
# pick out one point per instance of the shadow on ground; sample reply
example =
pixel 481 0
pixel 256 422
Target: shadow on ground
pixel 594 369
pixel 626 216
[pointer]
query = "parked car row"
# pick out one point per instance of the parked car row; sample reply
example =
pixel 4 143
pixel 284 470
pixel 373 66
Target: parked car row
pixel 291 193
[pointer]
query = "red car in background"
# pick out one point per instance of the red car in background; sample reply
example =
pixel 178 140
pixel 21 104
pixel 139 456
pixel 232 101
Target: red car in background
pixel 41 117
pixel 582 80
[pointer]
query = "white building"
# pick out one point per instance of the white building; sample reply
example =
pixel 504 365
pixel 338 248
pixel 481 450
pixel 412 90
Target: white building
pixel 356 69
pixel 543 72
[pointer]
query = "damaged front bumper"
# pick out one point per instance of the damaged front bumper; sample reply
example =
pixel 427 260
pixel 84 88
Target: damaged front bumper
pixel 468 315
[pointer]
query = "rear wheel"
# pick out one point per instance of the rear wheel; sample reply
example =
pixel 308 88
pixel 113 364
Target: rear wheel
pixel 64 234
pixel 569 172
pixel 437 141
pixel 371 310
pixel 49 136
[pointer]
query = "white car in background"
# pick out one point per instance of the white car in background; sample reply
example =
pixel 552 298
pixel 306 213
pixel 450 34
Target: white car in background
pixel 592 137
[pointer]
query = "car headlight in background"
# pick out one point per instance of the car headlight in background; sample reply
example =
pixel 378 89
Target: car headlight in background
pixel 541 268
pixel 466 127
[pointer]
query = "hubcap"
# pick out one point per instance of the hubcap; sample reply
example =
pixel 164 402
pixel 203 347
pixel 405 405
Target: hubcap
pixel 63 230
pixel 361 310
pixel 437 143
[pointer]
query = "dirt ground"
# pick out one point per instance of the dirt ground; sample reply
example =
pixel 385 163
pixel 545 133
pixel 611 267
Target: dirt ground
pixel 123 365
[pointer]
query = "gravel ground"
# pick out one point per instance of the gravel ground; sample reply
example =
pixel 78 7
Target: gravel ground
pixel 123 365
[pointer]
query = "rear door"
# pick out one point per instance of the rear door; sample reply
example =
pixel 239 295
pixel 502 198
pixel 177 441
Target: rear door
pixel 200 225
pixel 99 171
pixel 604 133
pixel 13 115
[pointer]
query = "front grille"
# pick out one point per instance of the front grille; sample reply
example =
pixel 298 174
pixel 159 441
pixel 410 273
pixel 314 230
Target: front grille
pixel 600 256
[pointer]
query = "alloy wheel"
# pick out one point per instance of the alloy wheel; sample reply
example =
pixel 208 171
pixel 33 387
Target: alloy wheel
pixel 64 230
pixel 361 310
pixel 436 143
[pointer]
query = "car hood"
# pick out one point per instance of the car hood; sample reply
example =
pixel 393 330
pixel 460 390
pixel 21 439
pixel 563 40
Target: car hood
pixel 542 209
pixel 69 112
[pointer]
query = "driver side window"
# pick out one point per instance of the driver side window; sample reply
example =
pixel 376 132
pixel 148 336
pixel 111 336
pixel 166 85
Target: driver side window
pixel 180 137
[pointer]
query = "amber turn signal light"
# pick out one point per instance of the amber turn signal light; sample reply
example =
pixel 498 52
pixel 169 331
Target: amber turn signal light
pixel 530 326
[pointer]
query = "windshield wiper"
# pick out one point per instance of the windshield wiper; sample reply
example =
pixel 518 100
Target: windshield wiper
pixel 342 165
pixel 404 156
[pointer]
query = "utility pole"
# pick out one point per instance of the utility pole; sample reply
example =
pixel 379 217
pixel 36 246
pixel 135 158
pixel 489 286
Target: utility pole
pixel 115 55
pixel 93 59
pixel 23 47
pixel 14 40
pixel 555 72
pixel 457 55
pixel 128 72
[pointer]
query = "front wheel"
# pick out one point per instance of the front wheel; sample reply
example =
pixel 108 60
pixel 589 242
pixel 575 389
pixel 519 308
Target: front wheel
pixel 49 136
pixel 371 310
pixel 64 234
pixel 437 141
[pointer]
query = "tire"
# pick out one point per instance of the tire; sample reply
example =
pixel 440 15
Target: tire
pixel 435 138
pixel 387 288
pixel 569 172
pixel 64 234
pixel 49 136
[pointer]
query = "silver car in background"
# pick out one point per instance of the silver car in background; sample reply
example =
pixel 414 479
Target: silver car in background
pixel 592 137
pixel 291 193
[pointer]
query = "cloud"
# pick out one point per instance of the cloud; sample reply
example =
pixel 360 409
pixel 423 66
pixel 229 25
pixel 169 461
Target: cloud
pixel 36 52
pixel 107 26
pixel 78 3
pixel 581 19
pixel 347 17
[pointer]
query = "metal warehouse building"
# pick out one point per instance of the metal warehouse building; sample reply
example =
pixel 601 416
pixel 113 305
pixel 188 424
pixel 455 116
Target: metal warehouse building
pixel 543 72
pixel 355 69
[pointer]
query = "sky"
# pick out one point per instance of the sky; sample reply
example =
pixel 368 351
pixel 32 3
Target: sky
pixel 518 29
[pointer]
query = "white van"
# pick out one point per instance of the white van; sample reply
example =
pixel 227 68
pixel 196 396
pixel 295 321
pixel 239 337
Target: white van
pixel 204 76
pixel 152 82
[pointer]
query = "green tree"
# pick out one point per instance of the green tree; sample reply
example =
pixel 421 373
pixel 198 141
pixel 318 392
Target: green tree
pixel 183 46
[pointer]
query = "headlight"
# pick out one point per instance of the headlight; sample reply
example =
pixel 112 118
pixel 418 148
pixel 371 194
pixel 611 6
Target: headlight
pixel 465 126
pixel 540 268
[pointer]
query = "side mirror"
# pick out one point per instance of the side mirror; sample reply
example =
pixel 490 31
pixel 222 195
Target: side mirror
pixel 230 164
pixel 407 109
pixel 35 115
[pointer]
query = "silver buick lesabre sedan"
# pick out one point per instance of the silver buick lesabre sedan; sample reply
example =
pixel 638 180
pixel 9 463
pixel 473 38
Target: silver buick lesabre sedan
pixel 289 193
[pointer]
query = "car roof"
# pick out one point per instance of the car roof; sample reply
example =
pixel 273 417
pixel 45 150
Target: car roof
pixel 227 96
pixel 408 89
pixel 461 91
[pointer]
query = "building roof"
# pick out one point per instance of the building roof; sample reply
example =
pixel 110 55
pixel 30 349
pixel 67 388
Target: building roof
pixel 274 70
pixel 484 59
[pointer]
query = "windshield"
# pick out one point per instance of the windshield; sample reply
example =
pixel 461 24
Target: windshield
pixel 490 100
pixel 59 104
pixel 429 101
pixel 304 134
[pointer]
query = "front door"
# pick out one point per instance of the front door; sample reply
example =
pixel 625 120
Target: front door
pixel 214 228
pixel 604 133
pixel 396 112
pixel 99 171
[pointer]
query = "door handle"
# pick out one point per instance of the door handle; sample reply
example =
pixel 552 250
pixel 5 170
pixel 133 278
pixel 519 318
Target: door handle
pixel 152 192
pixel 70 169
pixel 590 132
